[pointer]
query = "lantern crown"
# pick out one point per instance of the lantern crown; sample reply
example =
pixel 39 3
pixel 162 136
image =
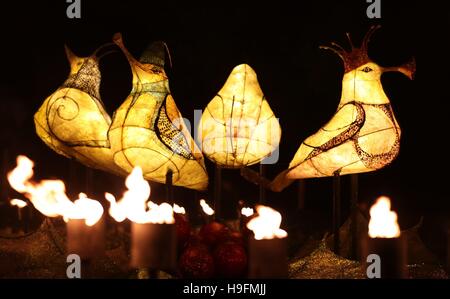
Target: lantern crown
pixel 357 56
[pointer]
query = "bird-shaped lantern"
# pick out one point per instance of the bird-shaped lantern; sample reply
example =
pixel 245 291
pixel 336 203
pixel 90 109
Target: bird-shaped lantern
pixel 363 135
pixel 238 128
pixel 148 130
pixel 73 122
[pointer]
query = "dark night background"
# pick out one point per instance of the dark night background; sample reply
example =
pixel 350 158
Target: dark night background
pixel 301 82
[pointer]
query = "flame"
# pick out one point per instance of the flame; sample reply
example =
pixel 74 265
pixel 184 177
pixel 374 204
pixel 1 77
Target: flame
pixel 85 208
pixel 206 208
pixel 18 202
pixel 49 196
pixel 247 212
pixel 266 225
pixel 383 221
pixel 134 203
pixel 178 209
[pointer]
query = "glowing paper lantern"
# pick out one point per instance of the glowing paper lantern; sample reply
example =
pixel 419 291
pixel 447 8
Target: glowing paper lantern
pixel 73 122
pixel 363 135
pixel 148 130
pixel 238 128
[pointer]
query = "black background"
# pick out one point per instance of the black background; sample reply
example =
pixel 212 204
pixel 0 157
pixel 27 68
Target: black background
pixel 280 40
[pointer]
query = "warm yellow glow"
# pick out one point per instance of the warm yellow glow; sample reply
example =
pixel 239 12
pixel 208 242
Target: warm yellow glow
pixel 266 225
pixel 206 208
pixel 247 212
pixel 238 128
pixel 135 204
pixel 49 196
pixel 73 121
pixel 18 203
pixel 383 221
pixel 85 208
pixel 363 135
pixel 148 129
pixel 178 209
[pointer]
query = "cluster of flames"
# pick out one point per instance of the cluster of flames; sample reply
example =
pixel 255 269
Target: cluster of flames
pixel 49 197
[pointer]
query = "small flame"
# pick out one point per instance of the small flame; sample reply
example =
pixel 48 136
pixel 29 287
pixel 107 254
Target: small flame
pixel 247 212
pixel 49 196
pixel 266 225
pixel 206 208
pixel 18 202
pixel 178 209
pixel 383 221
pixel 135 205
pixel 85 208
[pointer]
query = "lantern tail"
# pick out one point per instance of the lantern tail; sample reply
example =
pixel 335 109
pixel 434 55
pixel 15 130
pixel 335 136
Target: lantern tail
pixel 280 182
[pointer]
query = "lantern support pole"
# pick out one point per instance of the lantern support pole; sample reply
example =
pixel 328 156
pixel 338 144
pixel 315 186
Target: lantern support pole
pixel 353 211
pixel 301 185
pixel 336 210
pixel 217 191
pixel 262 190
pixel 169 187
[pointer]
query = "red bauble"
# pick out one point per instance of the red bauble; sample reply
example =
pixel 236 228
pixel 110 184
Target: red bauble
pixel 230 260
pixel 213 233
pixel 196 262
pixel 236 237
pixel 183 229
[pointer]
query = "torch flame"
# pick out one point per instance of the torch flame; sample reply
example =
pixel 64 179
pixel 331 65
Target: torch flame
pixel 206 208
pixel 134 203
pixel 266 225
pixel 18 202
pixel 247 212
pixel 383 221
pixel 178 209
pixel 49 196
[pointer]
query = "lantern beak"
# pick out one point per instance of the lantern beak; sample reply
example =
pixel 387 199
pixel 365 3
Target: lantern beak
pixel 407 69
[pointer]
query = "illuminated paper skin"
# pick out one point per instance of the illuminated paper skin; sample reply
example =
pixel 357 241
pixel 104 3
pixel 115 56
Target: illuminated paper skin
pixel 363 135
pixel 73 122
pixel 238 128
pixel 148 130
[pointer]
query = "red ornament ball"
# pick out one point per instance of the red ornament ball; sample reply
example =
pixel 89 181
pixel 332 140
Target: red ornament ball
pixel 196 262
pixel 213 233
pixel 230 260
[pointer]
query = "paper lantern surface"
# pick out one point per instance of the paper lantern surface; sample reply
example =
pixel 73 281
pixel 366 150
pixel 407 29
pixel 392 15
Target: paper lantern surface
pixel 73 122
pixel 238 128
pixel 148 130
pixel 363 135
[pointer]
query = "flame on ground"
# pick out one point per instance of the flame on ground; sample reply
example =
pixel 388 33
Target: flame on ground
pixel 383 221
pixel 49 196
pixel 135 205
pixel 247 211
pixel 18 203
pixel 266 225
pixel 178 209
pixel 206 208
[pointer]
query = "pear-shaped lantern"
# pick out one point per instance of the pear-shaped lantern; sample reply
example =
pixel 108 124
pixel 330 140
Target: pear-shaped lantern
pixel 238 128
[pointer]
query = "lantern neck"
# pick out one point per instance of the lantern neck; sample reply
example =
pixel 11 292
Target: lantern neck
pixel 362 90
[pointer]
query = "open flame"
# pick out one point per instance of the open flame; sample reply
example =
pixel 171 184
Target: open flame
pixel 178 209
pixel 18 203
pixel 247 211
pixel 206 208
pixel 49 196
pixel 266 225
pixel 135 205
pixel 383 221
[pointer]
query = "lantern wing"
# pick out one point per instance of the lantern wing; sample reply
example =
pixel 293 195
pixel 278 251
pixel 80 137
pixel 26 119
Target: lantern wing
pixel 73 122
pixel 148 130
pixel 331 148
